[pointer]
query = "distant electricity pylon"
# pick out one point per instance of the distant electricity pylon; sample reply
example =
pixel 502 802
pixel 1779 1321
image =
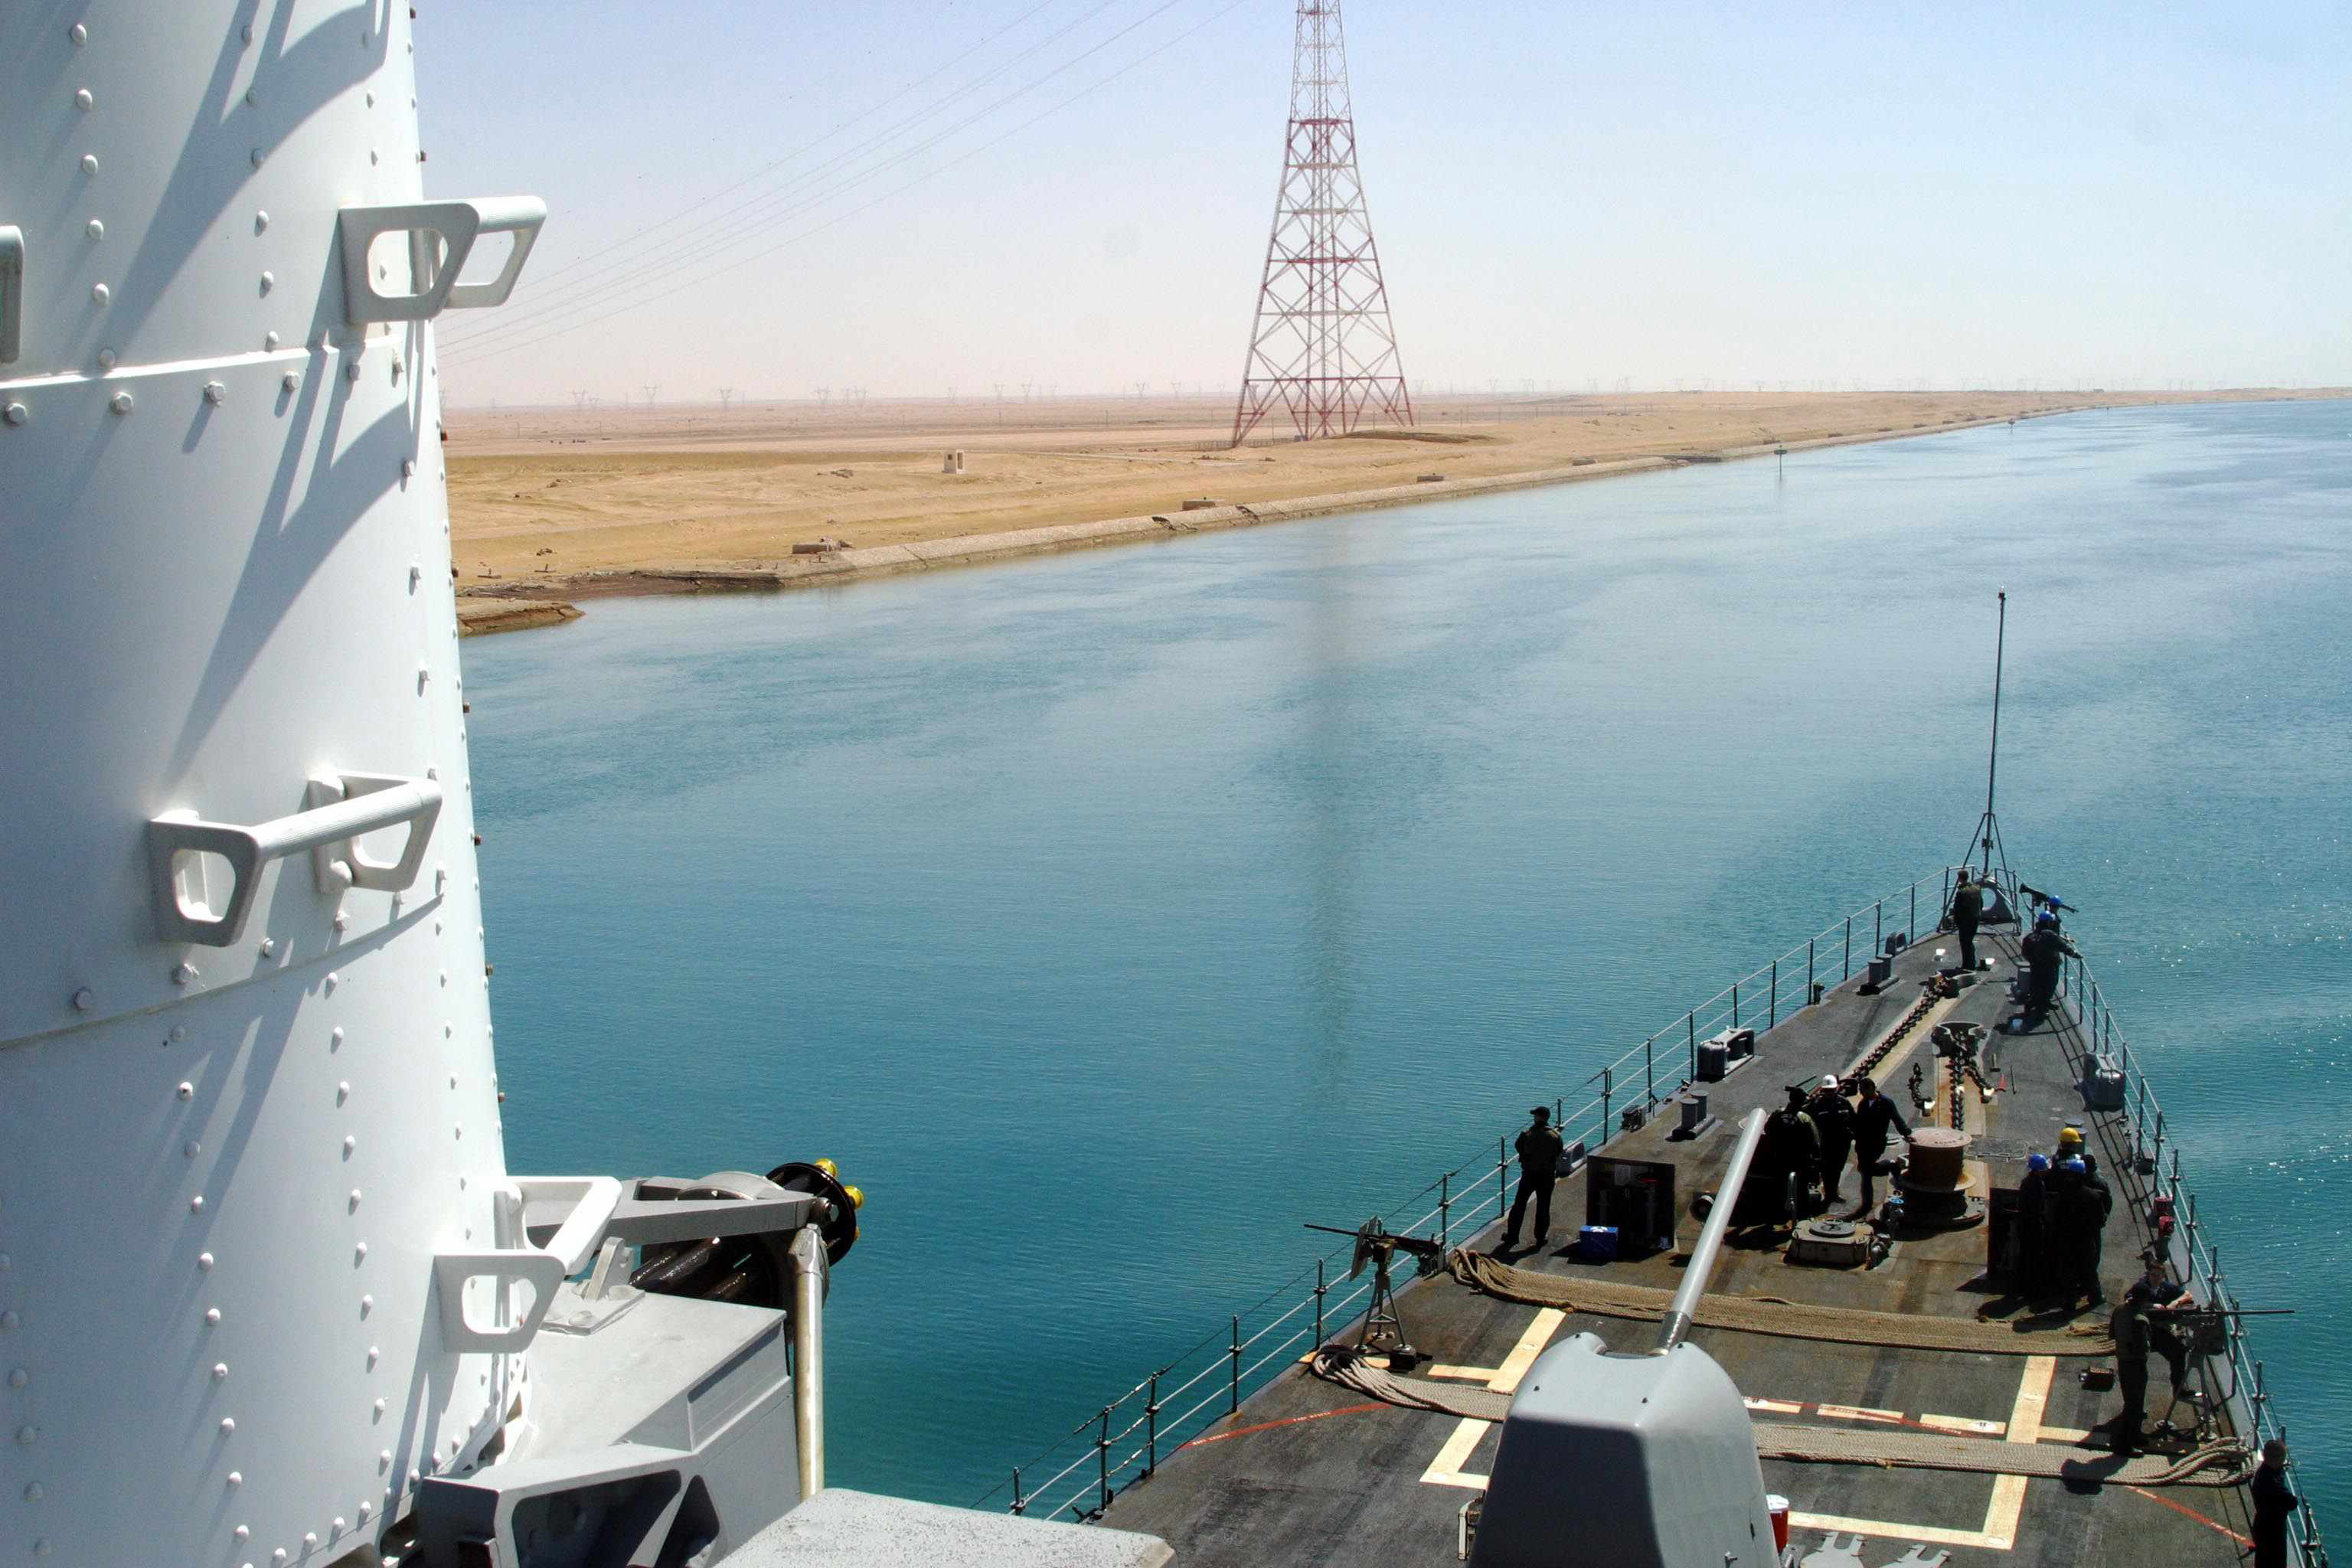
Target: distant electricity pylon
pixel 653 395
pixel 1322 351
pixel 726 398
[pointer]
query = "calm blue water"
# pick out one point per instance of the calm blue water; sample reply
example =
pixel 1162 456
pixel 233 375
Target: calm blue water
pixel 1107 916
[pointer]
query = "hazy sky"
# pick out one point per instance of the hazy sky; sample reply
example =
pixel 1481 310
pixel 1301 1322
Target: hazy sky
pixel 1964 194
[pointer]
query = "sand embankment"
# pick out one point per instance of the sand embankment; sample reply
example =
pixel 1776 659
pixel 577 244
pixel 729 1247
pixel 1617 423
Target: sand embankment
pixel 549 507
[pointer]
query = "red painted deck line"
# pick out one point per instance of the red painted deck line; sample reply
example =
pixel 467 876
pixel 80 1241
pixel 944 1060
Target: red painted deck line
pixel 1286 1421
pixel 2212 1524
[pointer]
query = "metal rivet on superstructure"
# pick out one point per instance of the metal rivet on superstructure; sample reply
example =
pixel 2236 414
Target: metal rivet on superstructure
pixel 242 1532
pixel 351 371
pixel 260 219
pixel 187 1092
pixel 270 340
pixel 422 675
pixel 252 97
pixel 17 413
pixel 359 1252
pixel 196 1204
pixel 342 920
pixel 293 382
pixel 383 1459
pixel 349 1143
pixel 342 1092
pixel 215 393
pixel 192 1148
pixel 373 156
pixel 100 293
pixel 205 1260
pixel 367 1305
pixel 335 1036
pixel 237 1478
pixel 179 1032
pixel 337 1524
pixel 106 358
pixel 366 1509
pixel 186 974
pixel 95 229
pixel 310 1538
pixel 355 1197
pixel 89 162
pixel 28 1435
pixel 257 156
pixel 269 281
pixel 334 979
pixel 82 98
pixel 220 1372
pixel 212 1315
pixel 279 1555
pixel 408 467
pixel 41 1547
pixel 85 998
pixel 77 33
pixel 380 1408
pixel 32 1491
pixel 121 404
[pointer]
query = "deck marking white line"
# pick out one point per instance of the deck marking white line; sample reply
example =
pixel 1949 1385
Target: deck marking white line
pixel 1928 1535
pixel 1778 1406
pixel 2024 1427
pixel 1964 1424
pixel 1860 1413
pixel 1446 1470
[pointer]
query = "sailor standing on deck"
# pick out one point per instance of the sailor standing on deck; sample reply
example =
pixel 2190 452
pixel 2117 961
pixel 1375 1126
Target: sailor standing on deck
pixel 1540 1150
pixel 2079 1205
pixel 2127 1324
pixel 1834 1120
pixel 2045 950
pixel 2031 1276
pixel 2273 1503
pixel 1967 905
pixel 1873 1118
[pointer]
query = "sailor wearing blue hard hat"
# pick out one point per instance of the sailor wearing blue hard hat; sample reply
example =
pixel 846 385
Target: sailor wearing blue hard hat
pixel 2030 1259
pixel 2079 1205
pixel 2044 952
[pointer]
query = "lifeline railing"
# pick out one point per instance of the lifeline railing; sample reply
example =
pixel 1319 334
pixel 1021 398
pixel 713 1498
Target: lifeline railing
pixel 1124 1441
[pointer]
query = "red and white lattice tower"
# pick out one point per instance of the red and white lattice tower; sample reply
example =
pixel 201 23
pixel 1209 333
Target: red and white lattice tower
pixel 1322 353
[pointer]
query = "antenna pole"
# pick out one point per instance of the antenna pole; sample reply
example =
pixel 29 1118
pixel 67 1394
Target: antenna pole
pixel 1992 763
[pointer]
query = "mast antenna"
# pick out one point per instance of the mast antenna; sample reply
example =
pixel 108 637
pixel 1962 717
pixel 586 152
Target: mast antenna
pixel 1987 840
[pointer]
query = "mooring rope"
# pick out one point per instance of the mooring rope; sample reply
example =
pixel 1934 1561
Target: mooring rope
pixel 1772 1315
pixel 2219 1464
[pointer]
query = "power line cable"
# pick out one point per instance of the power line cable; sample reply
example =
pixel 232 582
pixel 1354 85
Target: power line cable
pixel 748 217
pixel 1148 55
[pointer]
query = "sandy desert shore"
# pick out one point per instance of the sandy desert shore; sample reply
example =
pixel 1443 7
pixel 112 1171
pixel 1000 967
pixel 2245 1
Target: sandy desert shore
pixel 553 505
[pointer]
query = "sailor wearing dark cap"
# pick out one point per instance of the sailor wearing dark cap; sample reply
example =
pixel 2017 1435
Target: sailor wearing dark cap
pixel 1540 1150
pixel 2128 1326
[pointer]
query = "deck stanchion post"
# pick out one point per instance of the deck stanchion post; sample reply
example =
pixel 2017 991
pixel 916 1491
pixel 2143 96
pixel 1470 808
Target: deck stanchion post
pixel 1735 1004
pixel 1772 1014
pixel 1151 1427
pixel 1608 1084
pixel 1558 1111
pixel 1913 933
pixel 1649 1070
pixel 1319 1289
pixel 1020 1503
pixel 1234 1400
pixel 1444 1205
pixel 1502 1177
pixel 1690 1023
pixel 1102 1455
pixel 1811 994
pixel 1849 950
pixel 1878 927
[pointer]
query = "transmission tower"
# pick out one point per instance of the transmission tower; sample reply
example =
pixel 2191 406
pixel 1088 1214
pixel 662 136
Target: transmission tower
pixel 726 398
pixel 1322 351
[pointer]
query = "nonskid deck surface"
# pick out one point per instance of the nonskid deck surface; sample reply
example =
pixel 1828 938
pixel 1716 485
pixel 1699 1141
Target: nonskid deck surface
pixel 1310 1473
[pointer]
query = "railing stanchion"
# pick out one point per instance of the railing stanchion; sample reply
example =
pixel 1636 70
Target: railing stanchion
pixel 1649 1070
pixel 1809 998
pixel 1849 950
pixel 1608 1084
pixel 1234 1400
pixel 1151 1427
pixel 1020 1503
pixel 1444 1205
pixel 1772 1015
pixel 1102 1450
pixel 1878 927
pixel 1319 1289
pixel 1913 934
pixel 1690 1023
pixel 1502 1177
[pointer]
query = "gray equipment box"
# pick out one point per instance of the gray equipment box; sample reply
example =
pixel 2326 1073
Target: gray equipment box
pixel 2103 1086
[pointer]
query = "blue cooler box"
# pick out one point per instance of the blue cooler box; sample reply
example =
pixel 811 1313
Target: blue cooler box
pixel 1597 1243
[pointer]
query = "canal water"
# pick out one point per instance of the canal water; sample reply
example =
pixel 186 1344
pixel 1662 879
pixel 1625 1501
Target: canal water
pixel 1108 916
